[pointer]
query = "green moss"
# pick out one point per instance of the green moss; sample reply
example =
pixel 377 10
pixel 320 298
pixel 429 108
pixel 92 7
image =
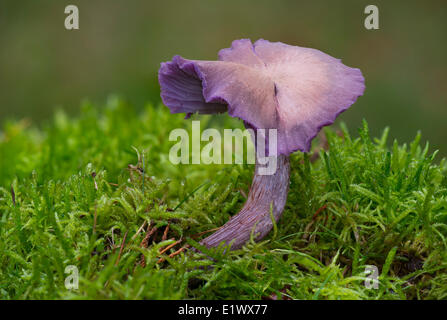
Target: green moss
pixel 69 197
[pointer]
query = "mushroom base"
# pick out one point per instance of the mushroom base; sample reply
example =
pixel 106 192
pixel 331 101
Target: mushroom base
pixel 268 192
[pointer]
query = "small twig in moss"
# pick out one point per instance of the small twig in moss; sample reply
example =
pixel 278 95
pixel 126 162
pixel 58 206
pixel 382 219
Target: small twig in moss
pixel 121 248
pixel 204 232
pixel 319 211
pixel 165 233
pixel 150 231
pixel 170 246
pixel 95 215
pixel 172 255
pixel 243 193
pixel 139 230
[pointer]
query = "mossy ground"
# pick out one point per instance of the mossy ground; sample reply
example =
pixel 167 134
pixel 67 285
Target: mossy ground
pixel 69 197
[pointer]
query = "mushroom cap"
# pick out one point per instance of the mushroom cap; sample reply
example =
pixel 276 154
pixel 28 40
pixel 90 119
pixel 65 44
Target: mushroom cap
pixel 269 85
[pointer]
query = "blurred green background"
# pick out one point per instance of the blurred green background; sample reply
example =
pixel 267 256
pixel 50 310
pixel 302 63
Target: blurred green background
pixel 120 45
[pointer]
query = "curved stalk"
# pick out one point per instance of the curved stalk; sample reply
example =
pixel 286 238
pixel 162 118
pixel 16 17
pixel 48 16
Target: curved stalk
pixel 266 191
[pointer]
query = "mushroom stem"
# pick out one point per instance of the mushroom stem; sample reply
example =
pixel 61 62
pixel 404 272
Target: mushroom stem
pixel 267 191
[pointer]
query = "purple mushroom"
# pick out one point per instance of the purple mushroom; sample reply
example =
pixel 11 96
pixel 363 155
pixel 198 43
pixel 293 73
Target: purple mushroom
pixel 269 85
